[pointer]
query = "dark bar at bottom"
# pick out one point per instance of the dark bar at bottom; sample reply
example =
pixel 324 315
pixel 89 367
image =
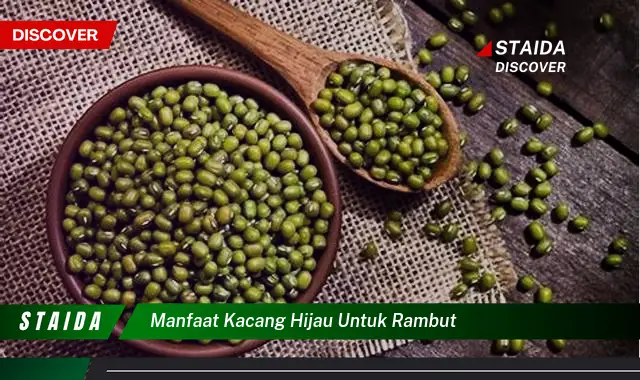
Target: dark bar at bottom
pixel 337 369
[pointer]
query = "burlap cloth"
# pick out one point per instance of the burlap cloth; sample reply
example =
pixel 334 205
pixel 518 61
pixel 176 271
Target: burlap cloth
pixel 44 92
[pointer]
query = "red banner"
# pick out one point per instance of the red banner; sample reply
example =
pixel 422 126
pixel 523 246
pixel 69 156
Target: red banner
pixel 73 35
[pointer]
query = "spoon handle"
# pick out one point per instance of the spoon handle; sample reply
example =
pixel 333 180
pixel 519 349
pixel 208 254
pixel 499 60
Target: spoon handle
pixel 300 63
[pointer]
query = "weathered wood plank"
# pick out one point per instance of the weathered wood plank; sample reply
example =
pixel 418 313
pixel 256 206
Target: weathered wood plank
pixel 594 180
pixel 601 79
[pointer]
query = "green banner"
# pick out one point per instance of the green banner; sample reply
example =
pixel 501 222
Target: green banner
pixel 46 322
pixel 49 369
pixel 384 321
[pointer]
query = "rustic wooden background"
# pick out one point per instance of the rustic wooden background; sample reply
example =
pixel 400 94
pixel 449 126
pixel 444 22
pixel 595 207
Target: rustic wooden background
pixel 599 180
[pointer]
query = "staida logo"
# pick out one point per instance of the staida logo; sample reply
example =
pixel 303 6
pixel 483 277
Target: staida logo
pixel 517 48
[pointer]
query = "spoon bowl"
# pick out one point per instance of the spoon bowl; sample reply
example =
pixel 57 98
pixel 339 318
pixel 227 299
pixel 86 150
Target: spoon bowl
pixel 445 169
pixel 306 67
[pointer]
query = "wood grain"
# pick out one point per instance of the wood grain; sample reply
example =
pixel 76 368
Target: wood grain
pixel 601 79
pixel 594 180
pixel 306 67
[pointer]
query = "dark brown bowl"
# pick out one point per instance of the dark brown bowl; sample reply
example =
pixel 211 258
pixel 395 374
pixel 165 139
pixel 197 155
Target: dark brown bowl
pixel 234 82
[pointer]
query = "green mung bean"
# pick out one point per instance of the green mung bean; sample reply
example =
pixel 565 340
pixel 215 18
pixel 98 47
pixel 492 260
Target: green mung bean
pixel 393 229
pixel 533 146
pixel 449 233
pixel 469 17
pixel 544 294
pixel 509 127
pixel 556 345
pixel 550 167
pixel 516 346
pixel 469 265
pixel 480 41
pixel 500 176
pixel 508 9
pixel 438 40
pixel 519 204
pixel 496 16
pixel 537 207
pixel 498 214
pixel 544 88
pixel 471 278
pixel 619 245
pixel 424 57
pixel 447 74
pixel 455 24
pixel 530 113
pixel 560 213
pixel 612 261
pixel 543 122
pixel 432 230
pixel 500 347
pixel 549 152
pixel 536 232
pixel 476 103
pixel 579 224
pixel 521 189
pixel 526 283
pixel 443 209
pixel 469 245
pixel 551 30
pixel 583 136
pixel 502 196
pixel 487 281
pixel 495 157
pixel 459 291
pixel 600 130
pixel 458 4
pixel 464 95
pixel 543 247
pixel 370 250
pixel 484 171
pixel 542 190
pixel 606 22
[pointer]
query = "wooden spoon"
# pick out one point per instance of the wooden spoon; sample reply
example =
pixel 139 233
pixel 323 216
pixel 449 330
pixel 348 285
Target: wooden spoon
pixel 306 68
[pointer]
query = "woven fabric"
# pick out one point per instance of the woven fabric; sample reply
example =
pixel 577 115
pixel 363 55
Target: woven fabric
pixel 44 92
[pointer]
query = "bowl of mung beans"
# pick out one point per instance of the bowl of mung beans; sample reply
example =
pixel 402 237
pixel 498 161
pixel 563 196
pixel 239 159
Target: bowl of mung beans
pixel 193 184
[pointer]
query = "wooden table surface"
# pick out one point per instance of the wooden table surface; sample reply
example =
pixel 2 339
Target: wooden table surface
pixel 599 180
